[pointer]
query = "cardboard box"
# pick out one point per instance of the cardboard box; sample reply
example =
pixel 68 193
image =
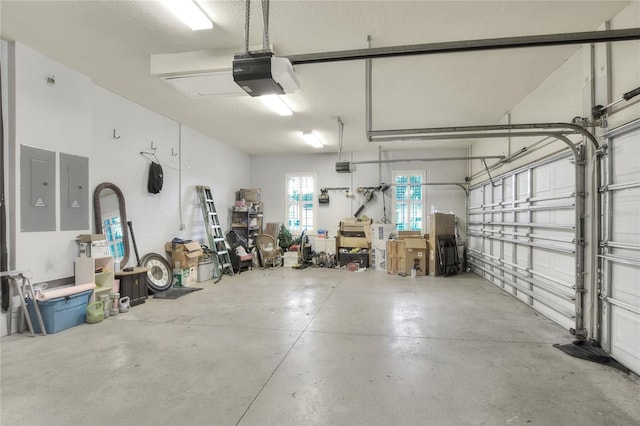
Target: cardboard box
pixel 352 225
pixel 250 195
pixel 440 224
pixel 378 255
pixel 290 259
pixel 326 245
pixel 381 231
pixel 409 234
pixel 395 261
pixel 184 255
pixel 87 238
pixel 93 249
pixel 185 277
pixel 360 242
pixel 416 254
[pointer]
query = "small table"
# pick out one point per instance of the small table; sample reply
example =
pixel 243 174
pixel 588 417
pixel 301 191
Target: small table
pixel 134 285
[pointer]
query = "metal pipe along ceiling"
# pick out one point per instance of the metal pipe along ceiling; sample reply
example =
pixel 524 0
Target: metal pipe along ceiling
pixel 404 160
pixel 469 46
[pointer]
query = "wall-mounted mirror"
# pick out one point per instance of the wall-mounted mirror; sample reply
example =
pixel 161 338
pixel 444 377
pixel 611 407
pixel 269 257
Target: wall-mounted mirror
pixel 111 220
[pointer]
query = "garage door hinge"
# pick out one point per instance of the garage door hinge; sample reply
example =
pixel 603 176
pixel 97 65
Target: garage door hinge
pixel 580 334
pixel 586 122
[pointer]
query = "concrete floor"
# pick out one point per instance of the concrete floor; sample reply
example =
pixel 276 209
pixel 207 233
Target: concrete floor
pixel 315 347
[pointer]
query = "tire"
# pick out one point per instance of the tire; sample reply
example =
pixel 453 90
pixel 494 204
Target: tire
pixel 160 273
pixel 217 268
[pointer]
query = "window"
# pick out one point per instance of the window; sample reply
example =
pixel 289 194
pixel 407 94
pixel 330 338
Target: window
pixel 408 199
pixel 301 206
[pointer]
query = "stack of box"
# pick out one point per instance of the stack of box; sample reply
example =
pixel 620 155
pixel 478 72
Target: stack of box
pixel 92 245
pixel 441 224
pixel 352 244
pixel 184 260
pixel 252 198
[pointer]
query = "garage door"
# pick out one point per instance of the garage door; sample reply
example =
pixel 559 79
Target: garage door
pixel 620 246
pixel 522 235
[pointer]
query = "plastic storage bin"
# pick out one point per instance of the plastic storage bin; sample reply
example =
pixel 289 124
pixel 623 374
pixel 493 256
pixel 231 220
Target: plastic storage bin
pixel 60 313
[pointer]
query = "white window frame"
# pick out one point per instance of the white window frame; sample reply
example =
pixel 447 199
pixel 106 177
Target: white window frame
pixel 314 196
pixel 422 202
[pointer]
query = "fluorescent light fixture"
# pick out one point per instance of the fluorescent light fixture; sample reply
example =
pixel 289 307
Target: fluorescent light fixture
pixel 312 139
pixel 189 13
pixel 276 104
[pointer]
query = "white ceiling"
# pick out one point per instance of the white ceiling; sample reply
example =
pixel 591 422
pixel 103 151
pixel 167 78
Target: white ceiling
pixel 112 42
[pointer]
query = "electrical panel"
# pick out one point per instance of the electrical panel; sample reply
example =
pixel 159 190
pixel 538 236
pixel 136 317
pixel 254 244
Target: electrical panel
pixel 37 189
pixel 74 194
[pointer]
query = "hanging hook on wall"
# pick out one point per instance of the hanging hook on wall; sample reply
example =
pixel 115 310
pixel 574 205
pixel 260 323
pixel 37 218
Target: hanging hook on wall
pixel 114 134
pixel 173 154
pixel 151 156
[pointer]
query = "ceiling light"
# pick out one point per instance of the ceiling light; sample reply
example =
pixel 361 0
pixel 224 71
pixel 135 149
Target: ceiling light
pixel 189 13
pixel 276 104
pixel 312 139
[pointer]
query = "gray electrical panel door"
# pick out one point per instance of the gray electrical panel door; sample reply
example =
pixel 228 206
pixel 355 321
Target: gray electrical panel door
pixel 74 194
pixel 37 189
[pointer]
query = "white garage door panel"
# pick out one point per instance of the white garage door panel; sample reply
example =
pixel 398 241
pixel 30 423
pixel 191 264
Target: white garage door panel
pixel 626 214
pixel 522 256
pixel 475 197
pixel 560 217
pixel 522 217
pixel 487 194
pixel 550 313
pixel 557 265
pixel 625 346
pixel 508 189
pixel 497 248
pixel 553 179
pixel 627 284
pixel 475 243
pixel 508 252
pixel 497 193
pixel 522 186
pixel 545 240
pixel 626 152
pixel 620 331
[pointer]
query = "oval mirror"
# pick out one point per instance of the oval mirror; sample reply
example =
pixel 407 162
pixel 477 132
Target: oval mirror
pixel 110 215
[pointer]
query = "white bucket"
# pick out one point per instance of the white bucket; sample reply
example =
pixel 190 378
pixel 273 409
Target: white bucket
pixel 205 270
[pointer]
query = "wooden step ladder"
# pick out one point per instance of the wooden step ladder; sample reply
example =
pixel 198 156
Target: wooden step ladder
pixel 217 242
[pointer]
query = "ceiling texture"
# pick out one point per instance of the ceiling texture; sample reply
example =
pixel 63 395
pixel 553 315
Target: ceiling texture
pixel 113 42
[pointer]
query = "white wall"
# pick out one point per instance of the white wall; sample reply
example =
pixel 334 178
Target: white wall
pixel 75 116
pixel 566 94
pixel 268 172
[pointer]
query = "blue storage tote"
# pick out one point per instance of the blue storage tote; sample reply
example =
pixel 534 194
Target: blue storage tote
pixel 60 313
